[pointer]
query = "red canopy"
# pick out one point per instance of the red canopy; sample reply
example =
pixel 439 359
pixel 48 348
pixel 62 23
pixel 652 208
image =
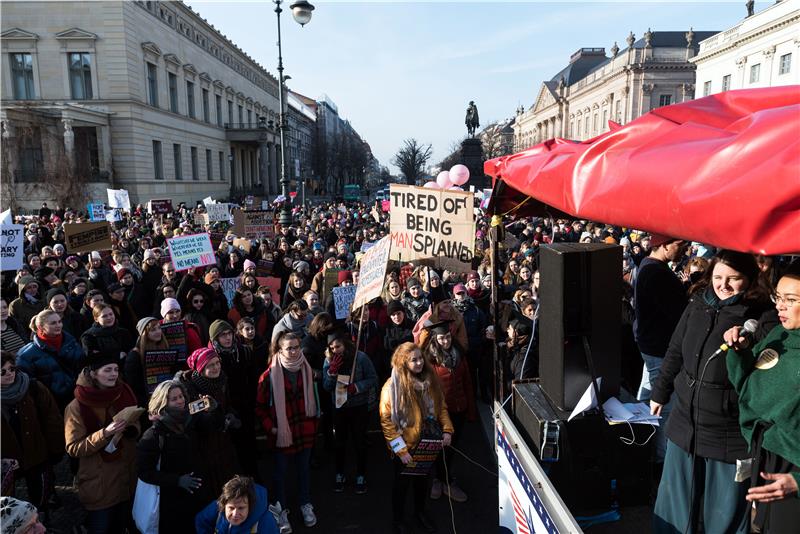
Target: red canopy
pixel 723 170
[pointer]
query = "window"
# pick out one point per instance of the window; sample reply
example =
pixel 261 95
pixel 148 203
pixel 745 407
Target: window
pixel 726 82
pixel 604 124
pixel 152 85
pixel 195 171
pixel 176 157
pixel 594 123
pixel 208 165
pixel 206 116
pixel 755 72
pixel 158 164
pixel 241 116
pixel 230 113
pixel 80 75
pixel 190 98
pixel 22 76
pixel 218 100
pixel 785 64
pixel 707 88
pixel 173 92
pixel 221 159
pixel 578 129
pixel 249 118
pixel 664 100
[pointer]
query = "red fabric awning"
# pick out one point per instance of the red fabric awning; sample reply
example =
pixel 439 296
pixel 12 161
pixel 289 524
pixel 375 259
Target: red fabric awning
pixel 723 170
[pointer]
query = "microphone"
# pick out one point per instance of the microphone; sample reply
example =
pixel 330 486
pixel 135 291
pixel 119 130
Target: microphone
pixel 748 329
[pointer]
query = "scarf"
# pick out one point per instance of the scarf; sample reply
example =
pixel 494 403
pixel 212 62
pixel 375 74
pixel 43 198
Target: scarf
pixel 90 398
pixel 421 389
pixel 214 387
pixel 451 358
pixel 13 393
pixel 475 293
pixel 30 298
pixel 54 342
pixel 231 352
pixel 175 419
pixel 278 385
pixel 710 297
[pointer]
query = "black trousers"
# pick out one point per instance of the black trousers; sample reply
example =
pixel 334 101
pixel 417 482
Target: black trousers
pixel 418 485
pixel 446 456
pixel 351 422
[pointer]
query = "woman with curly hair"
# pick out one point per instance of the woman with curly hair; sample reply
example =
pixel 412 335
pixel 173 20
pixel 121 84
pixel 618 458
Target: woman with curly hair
pixel 246 304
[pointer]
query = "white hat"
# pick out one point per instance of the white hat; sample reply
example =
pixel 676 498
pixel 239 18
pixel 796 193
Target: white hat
pixel 95 255
pixel 169 304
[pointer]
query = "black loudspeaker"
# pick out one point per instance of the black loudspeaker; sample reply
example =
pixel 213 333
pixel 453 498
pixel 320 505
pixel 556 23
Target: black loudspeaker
pixel 580 296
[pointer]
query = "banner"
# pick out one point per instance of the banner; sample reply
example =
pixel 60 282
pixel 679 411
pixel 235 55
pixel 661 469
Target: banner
pixel 191 251
pixel 422 457
pixel 96 211
pixel 159 365
pixel 118 198
pixel 229 286
pixel 430 224
pixel 86 237
pixel 217 212
pixel 175 334
pixel 254 224
pixel 372 271
pixel 343 300
pixel 160 206
pixel 12 247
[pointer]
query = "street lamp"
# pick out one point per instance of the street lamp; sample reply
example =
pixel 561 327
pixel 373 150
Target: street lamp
pixel 301 11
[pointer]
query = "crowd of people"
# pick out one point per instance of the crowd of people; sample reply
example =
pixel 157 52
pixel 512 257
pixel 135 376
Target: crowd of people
pixel 91 370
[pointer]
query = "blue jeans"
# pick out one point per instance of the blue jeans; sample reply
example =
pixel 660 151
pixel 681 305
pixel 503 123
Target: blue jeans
pixel 652 365
pixel 302 463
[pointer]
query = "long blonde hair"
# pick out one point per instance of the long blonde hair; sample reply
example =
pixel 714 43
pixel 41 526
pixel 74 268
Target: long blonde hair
pixel 405 394
pixel 160 397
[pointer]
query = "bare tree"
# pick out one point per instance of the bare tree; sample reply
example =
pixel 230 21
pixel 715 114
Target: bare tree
pixel 492 141
pixel 412 158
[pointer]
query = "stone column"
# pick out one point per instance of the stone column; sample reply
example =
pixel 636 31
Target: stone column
pixel 9 152
pixel 263 166
pixel 69 142
pixel 106 158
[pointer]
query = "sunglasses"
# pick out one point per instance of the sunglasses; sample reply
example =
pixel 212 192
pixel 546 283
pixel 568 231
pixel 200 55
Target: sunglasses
pixel 5 370
pixel 197 301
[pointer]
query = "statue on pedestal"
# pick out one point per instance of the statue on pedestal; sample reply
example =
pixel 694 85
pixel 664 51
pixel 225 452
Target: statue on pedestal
pixel 471 120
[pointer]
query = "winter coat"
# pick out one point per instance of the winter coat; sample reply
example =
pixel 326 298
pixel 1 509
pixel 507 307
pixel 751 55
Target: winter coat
pixel 34 431
pixel 475 323
pixel 21 309
pixel 697 336
pixel 259 519
pixel 73 323
pixel 56 370
pixel 457 387
pixel 102 482
pixel 111 340
pixel 259 316
pixel 304 428
pixel 415 307
pixel 659 300
pixel 192 333
pixel 364 378
pixel 288 324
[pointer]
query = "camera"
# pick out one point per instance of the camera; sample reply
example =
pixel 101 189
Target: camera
pixel 199 405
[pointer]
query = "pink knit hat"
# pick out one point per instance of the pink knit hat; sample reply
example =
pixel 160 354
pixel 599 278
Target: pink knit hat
pixel 200 358
pixel 248 264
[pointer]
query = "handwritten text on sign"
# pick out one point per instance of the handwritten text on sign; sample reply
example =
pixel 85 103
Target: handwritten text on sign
pixel 12 246
pixel 343 299
pixel 191 251
pixel 85 237
pixel 373 268
pixel 431 224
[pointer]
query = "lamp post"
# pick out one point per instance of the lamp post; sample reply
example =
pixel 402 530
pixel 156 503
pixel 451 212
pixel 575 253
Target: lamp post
pixel 301 11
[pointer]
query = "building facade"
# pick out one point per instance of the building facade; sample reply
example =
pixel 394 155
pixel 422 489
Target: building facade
pixel 594 88
pixel 300 139
pixel 143 96
pixel 761 51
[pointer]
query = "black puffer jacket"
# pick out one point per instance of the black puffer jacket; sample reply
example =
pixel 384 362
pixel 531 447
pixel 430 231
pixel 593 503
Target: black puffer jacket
pixel 111 340
pixel 697 336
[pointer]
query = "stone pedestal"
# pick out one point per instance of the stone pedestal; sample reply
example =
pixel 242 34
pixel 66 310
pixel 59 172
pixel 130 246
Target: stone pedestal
pixel 472 157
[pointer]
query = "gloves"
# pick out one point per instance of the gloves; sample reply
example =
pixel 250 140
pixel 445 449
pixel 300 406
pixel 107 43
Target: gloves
pixel 189 483
pixel 352 389
pixel 336 363
pixel 231 421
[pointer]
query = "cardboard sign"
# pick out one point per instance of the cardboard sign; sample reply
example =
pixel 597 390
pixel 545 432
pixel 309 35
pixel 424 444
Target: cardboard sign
pixel 229 286
pixel 264 267
pixel 372 271
pixel 118 198
pixel 254 224
pixel 175 334
pixel 191 251
pixel 343 300
pixel 423 457
pixel 12 247
pixel 96 211
pixel 86 237
pixel 159 365
pixel 243 245
pixel 200 219
pixel 431 224
pixel 160 207
pixel 330 281
pixel 217 212
pixel 274 285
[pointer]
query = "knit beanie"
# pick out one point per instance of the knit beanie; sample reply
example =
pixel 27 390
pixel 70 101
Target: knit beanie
pixel 53 292
pixel 200 358
pixel 101 358
pixel 149 254
pixel 210 277
pixel 121 273
pixel 394 307
pixel 168 304
pixel 249 264
pixel 412 282
pixel 142 324
pixel 218 328
pixel 344 275
pixel 15 514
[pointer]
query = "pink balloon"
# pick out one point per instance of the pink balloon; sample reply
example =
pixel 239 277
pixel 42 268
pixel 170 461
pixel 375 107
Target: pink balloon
pixel 431 185
pixel 459 174
pixel 444 180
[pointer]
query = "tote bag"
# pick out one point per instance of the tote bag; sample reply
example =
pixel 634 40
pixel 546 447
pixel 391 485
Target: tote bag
pixel 147 500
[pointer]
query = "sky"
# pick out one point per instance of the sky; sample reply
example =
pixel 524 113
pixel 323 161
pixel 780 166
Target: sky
pixel 399 70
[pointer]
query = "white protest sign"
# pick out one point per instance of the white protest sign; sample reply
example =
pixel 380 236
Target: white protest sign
pixel 97 212
pixel 118 198
pixel 191 251
pixel 208 200
pixel 113 215
pixel 217 212
pixel 12 246
pixel 265 204
pixel 373 268
pixel 6 218
pixel 431 224
pixel 229 286
pixel 343 300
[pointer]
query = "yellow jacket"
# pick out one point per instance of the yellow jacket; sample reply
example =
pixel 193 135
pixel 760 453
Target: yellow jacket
pixel 410 434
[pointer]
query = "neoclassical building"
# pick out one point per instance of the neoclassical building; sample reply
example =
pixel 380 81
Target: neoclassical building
pixel 594 87
pixel 144 96
pixel 761 51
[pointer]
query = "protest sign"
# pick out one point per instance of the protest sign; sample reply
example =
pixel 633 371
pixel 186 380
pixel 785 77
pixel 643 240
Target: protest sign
pixel 254 224
pixel 118 198
pixel 264 267
pixel 229 286
pixel 160 206
pixel 217 212
pixel 216 238
pixel 329 281
pixel 86 237
pixel 113 215
pixel 430 224
pixel 366 245
pixel 422 457
pixel 191 251
pixel 12 246
pixel 242 244
pixel 274 285
pixel 175 334
pixel 200 219
pixel 265 204
pixel 371 273
pixel 343 300
pixel 6 218
pixel 386 205
pixel 96 211
pixel 159 365
pixel 208 201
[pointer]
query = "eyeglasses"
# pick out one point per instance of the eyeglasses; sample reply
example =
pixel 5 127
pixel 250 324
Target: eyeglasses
pixel 784 301
pixel 5 370
pixel 197 301
pixel 292 348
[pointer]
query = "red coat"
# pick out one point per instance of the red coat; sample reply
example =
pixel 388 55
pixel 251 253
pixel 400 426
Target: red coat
pixel 262 324
pixel 457 388
pixel 304 428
